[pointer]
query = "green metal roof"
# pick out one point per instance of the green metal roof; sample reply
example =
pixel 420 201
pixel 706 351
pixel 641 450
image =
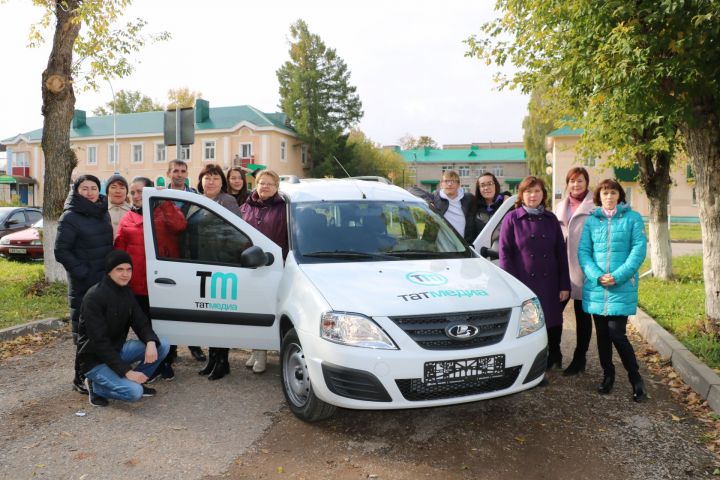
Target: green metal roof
pixel 467 155
pixel 7 179
pixel 129 124
pixel 566 132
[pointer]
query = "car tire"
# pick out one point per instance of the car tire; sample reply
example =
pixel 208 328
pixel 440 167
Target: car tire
pixel 296 384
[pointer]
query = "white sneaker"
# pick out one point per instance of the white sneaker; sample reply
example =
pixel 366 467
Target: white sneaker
pixel 251 361
pixel 260 361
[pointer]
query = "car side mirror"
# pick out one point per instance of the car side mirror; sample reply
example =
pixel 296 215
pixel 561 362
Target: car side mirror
pixel 11 222
pixel 254 257
pixel 489 254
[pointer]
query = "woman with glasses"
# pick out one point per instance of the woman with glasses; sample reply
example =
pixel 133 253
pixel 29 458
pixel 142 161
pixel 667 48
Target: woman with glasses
pixel 489 198
pixel 265 210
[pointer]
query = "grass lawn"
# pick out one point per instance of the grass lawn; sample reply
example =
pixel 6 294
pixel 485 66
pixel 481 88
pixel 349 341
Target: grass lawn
pixel 679 306
pixel 682 232
pixel 25 295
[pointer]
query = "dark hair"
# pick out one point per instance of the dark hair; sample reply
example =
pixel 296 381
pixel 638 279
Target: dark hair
pixel 145 180
pixel 176 161
pixel 608 184
pixel 478 197
pixel 212 169
pixel 83 178
pixel 243 193
pixel 574 172
pixel 531 181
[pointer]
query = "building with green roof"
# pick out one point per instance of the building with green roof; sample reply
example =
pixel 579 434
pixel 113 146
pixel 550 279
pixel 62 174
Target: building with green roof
pixel 426 165
pixel 133 145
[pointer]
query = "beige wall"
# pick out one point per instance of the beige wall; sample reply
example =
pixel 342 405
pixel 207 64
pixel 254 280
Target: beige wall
pixel 564 157
pixel 266 147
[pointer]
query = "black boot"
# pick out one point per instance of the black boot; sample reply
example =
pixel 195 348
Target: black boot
pixel 197 354
pixel 607 383
pixel 638 390
pixel 79 383
pixel 210 365
pixel 554 354
pixel 222 366
pixel 576 366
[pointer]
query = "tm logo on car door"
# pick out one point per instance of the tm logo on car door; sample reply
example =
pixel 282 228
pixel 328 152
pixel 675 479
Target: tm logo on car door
pixel 222 285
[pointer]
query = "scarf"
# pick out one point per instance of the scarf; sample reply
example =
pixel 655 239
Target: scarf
pixel 534 211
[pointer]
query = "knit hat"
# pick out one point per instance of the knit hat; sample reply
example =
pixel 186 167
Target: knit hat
pixel 115 258
pixel 117 178
pixel 85 177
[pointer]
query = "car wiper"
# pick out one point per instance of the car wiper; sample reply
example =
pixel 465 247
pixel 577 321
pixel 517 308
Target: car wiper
pixel 424 254
pixel 344 254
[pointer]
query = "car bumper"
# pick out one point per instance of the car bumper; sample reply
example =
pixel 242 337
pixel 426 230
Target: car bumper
pixel 362 378
pixel 11 251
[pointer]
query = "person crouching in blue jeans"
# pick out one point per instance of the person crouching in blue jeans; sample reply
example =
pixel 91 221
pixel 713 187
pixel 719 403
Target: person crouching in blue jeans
pixel 105 355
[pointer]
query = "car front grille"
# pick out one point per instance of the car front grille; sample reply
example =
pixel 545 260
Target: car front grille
pixel 413 389
pixel 428 331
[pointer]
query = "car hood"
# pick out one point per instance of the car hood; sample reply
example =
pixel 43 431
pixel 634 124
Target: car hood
pixel 416 286
pixel 23 235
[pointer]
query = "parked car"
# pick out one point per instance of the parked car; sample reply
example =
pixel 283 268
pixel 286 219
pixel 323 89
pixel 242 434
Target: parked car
pixel 14 219
pixel 24 244
pixel 378 305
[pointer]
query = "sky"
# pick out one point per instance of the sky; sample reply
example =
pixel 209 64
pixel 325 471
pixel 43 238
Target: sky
pixel 406 59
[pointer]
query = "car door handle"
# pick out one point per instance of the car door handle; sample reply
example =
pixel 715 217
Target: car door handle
pixel 165 281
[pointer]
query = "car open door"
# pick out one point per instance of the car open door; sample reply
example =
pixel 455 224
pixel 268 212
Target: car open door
pixel 212 278
pixel 487 242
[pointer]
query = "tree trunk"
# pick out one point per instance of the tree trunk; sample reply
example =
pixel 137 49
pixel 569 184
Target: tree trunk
pixel 58 107
pixel 703 146
pixel 655 180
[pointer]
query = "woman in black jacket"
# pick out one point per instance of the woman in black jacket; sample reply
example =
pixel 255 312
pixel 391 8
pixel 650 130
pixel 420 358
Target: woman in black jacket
pixel 489 199
pixel 84 238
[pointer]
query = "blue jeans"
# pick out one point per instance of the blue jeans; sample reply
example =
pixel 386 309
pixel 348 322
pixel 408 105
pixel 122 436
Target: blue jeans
pixel 108 384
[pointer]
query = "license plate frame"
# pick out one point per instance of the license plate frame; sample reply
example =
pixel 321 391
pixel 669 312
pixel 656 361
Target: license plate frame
pixel 17 251
pixel 445 372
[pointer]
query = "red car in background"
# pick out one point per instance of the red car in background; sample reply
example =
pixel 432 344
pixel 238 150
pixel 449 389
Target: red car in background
pixel 25 244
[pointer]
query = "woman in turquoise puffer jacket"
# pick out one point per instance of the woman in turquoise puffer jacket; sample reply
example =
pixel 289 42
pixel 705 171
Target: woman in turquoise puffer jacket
pixel 611 249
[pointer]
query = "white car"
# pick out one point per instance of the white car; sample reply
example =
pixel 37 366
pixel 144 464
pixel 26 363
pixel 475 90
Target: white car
pixel 379 304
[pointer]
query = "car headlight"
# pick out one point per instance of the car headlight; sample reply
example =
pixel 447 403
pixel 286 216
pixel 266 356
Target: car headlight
pixel 532 318
pixel 4 241
pixel 36 242
pixel 354 330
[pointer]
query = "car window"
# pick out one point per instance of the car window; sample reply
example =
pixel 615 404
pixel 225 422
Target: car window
pixel 185 231
pixel 19 217
pixel 33 215
pixel 342 231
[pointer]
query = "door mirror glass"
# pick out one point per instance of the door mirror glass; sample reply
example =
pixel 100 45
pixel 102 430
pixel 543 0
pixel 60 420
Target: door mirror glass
pixel 254 257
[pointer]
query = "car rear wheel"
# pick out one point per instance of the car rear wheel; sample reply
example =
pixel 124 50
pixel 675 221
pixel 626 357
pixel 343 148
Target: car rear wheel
pixel 296 383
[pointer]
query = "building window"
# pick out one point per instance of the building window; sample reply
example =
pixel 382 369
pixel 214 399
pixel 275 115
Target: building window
pixel 92 155
pixel 185 153
pixel 465 187
pixel 464 171
pixel 303 155
pixel 209 150
pixel 479 171
pixel 283 151
pixel 245 150
pixel 694 197
pixel 21 159
pixel 445 168
pixel 498 171
pixel 137 153
pixel 113 153
pixel 590 161
pixel 628 196
pixel 160 154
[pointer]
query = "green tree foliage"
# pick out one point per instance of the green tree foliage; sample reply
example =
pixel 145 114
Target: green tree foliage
pixel 129 101
pixel 536 126
pixel 633 74
pixel 316 94
pixel 409 142
pixel 182 96
pixel 87 48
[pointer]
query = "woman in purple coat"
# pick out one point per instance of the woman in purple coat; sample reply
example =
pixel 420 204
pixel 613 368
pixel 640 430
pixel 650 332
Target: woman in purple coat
pixel 532 249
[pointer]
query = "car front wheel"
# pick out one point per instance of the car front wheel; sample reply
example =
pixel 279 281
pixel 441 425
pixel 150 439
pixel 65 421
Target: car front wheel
pixel 296 383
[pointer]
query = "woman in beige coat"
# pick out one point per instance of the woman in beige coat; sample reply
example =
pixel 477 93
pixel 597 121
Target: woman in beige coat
pixel 572 212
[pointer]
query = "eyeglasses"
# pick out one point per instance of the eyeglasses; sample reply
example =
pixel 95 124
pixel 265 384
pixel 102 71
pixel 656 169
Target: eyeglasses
pixel 451 181
pixel 263 184
pixel 487 185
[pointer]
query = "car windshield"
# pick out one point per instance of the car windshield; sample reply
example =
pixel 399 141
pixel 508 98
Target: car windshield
pixel 352 231
pixel 38 224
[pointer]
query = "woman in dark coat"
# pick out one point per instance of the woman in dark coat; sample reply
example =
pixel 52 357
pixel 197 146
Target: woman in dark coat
pixel 84 238
pixel 265 210
pixel 532 249
pixel 489 198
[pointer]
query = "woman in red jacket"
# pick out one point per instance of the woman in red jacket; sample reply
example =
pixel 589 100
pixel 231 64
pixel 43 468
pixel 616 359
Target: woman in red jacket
pixel 169 222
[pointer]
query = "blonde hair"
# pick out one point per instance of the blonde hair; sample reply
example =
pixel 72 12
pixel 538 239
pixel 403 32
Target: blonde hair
pixel 450 175
pixel 269 173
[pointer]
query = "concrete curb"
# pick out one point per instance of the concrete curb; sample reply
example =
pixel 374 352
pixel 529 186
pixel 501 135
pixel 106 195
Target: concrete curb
pixel 694 373
pixel 43 325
